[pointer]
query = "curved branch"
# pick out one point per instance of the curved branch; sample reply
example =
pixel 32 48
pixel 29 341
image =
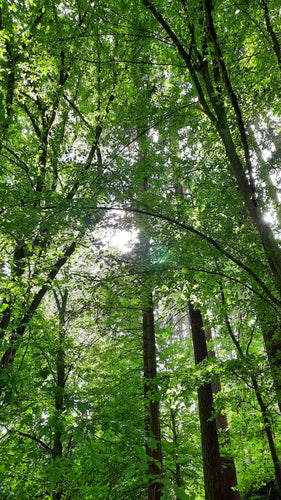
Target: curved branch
pixel 205 237
pixel 29 436
pixel 240 122
pixel 184 55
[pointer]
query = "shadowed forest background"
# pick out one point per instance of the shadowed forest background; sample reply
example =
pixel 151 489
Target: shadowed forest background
pixel 140 264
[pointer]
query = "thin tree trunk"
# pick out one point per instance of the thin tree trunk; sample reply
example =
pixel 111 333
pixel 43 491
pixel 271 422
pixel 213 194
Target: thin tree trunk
pixel 20 259
pixel 153 445
pixel 151 402
pixel 269 435
pixel 178 478
pixel 9 355
pixel 209 439
pixel 263 408
pixel 272 340
pixel 229 476
pixel 271 33
pixel 272 336
pixel 59 389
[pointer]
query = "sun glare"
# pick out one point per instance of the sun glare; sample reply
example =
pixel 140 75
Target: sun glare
pixel 122 240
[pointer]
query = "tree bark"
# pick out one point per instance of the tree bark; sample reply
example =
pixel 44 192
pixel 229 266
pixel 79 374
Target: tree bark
pixel 59 389
pixel 229 476
pixel 151 402
pixel 213 482
pixel 153 445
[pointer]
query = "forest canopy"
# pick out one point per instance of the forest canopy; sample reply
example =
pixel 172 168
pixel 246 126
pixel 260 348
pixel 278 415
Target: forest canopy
pixel 140 264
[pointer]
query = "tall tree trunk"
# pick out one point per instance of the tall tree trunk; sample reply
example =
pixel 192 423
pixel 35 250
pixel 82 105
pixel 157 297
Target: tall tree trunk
pixel 229 476
pixel 213 482
pixel 59 389
pixel 215 77
pixel 246 185
pixel 153 445
pixel 151 402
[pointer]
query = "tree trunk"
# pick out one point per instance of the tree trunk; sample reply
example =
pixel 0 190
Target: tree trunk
pixel 178 479
pixel 246 185
pixel 59 389
pixel 151 402
pixel 212 105
pixel 209 439
pixel 151 394
pixel 227 463
pixel 270 245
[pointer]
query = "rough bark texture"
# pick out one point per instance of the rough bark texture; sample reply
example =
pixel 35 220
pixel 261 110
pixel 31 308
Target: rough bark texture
pixel 151 401
pixel 209 440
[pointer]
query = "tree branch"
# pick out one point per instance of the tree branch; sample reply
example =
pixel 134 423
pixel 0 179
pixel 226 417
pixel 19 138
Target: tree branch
pixel 213 36
pixel 203 236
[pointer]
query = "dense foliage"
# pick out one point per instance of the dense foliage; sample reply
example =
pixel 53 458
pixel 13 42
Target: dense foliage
pixel 159 121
